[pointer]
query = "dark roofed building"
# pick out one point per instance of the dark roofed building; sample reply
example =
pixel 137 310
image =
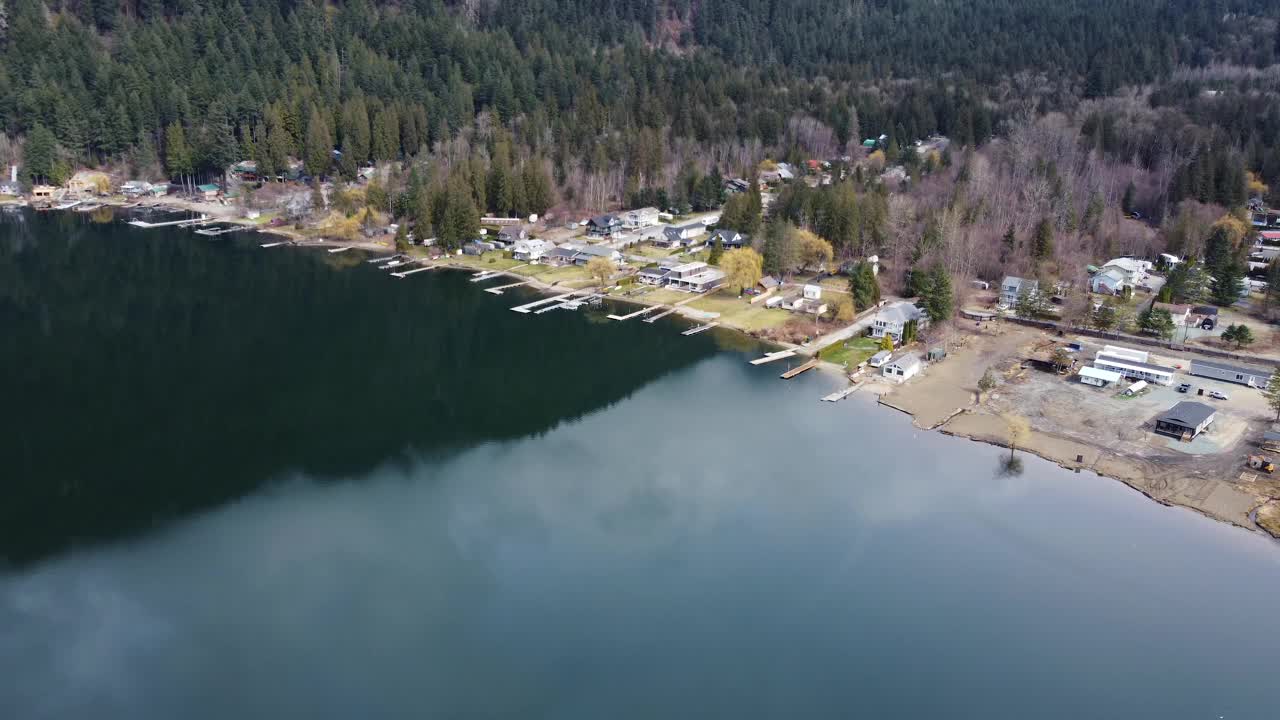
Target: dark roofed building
pixel 604 226
pixel 1185 420
pixel 728 239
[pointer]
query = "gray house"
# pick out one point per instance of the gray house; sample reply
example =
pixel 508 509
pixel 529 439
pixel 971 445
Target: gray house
pixel 893 319
pixel 1185 420
pixel 675 236
pixel 1251 376
pixel 1012 287
pixel 604 226
pixel 728 239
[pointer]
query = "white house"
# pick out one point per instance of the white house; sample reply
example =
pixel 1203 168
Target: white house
pixel 1134 369
pixel 1126 353
pixel 892 319
pixel 879 359
pixel 530 250
pixel 1012 287
pixel 1099 378
pixel 902 368
pixel 677 235
pixel 1133 270
pixel 640 218
pixel 694 277
pixel 812 292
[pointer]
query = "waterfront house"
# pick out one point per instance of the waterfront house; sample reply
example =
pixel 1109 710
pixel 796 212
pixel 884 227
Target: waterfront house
pixel 1133 369
pixel 1099 378
pixel 208 191
pixel 640 218
pixel 43 192
pixel 562 255
pixel 694 277
pixel 728 239
pixel 892 319
pixel 902 368
pixel 512 234
pixel 586 252
pixel 604 226
pixel 1185 420
pixel 1242 374
pixel 135 188
pixel 526 250
pixel 653 275
pixel 1012 287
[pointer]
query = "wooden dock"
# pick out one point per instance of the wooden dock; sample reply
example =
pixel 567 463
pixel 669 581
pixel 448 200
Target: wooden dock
pixel 779 355
pixel 659 316
pixel 637 313
pixel 344 248
pixel 528 307
pixel 171 223
pixel 482 276
pixel 839 395
pixel 700 328
pixel 214 232
pixel 274 244
pixel 499 290
pixel 811 364
pixel 407 273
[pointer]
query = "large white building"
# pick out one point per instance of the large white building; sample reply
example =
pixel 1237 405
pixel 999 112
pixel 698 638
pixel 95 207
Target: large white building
pixel 893 319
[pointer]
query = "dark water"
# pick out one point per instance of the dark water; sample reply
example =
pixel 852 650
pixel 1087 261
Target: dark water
pixel 276 483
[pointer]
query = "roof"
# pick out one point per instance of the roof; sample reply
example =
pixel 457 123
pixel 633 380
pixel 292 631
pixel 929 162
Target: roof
pixel 688 266
pixel 726 235
pixel 1127 264
pixel 1271 436
pixel 882 355
pixel 1114 274
pixel 1188 413
pixel 603 220
pixel 1242 369
pixel 1017 282
pixel 1204 310
pixel 1132 364
pixel 769 282
pixel 909 360
pixel 655 270
pixel 210 187
pixel 1173 309
pixel 900 312
pixel 1093 372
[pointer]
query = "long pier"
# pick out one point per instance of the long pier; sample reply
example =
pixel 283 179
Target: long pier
pixel 214 232
pixel 638 313
pixel 171 223
pixel 528 307
pixel 344 248
pixel 407 273
pixel 275 244
pixel 487 275
pixel 659 316
pixel 799 369
pixel 499 290
pixel 700 328
pixel 779 355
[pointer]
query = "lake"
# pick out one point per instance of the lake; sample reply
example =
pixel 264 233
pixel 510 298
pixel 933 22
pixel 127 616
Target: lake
pixel 265 483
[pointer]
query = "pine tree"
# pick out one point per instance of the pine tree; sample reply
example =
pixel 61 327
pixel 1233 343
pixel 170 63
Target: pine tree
pixel 319 146
pixel 177 153
pixel 39 153
pixel 1042 241
pixel 939 299
pixel 717 250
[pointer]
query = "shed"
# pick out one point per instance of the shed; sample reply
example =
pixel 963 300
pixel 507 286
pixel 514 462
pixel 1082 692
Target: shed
pixel 1242 374
pixel 1099 378
pixel 1185 420
pixel 902 367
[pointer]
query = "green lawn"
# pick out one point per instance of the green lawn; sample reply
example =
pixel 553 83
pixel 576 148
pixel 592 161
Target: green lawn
pixel 850 352
pixel 649 251
pixel 567 275
pixel 739 313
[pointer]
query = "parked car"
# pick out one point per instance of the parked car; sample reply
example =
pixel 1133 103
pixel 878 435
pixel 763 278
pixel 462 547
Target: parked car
pixel 1184 387
pixel 1218 395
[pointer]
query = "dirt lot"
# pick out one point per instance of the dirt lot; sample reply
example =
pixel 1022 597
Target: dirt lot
pixel 1110 434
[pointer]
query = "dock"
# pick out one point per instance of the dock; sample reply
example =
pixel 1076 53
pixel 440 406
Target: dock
pixel 700 328
pixel 811 364
pixel 637 313
pixel 274 244
pixel 67 205
pixel 839 395
pixel 528 307
pixel 482 276
pixel 379 261
pixel 214 232
pixel 770 357
pixel 170 223
pixel 344 248
pixel 407 273
pixel 569 304
pixel 659 316
pixel 499 290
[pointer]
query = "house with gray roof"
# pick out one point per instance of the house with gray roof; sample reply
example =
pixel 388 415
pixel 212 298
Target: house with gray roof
pixel 728 239
pixel 893 319
pixel 1242 374
pixel 1108 282
pixel 604 226
pixel 674 236
pixel 1185 420
pixel 1012 287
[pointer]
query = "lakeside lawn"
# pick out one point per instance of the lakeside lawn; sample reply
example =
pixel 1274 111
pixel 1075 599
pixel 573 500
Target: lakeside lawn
pixel 568 275
pixel 851 352
pixel 649 251
pixel 739 313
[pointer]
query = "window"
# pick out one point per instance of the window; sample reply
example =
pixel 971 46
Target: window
pixel 1239 376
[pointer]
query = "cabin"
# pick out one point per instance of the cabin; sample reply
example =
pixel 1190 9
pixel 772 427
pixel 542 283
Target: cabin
pixel 43 192
pixel 1108 282
pixel 1099 378
pixel 879 358
pixel 902 368
pixel 512 234
pixel 1241 374
pixel 208 191
pixel 604 226
pixel 585 253
pixel 1186 420
pixel 559 256
pixel 527 250
pixel 1134 369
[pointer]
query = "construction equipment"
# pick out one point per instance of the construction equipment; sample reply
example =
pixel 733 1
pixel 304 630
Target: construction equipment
pixel 1258 462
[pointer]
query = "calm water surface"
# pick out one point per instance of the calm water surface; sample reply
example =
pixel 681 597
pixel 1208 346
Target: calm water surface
pixel 276 483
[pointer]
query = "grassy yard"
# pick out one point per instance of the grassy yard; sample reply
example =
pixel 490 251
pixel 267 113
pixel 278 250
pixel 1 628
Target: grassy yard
pixel 571 275
pixel 649 251
pixel 850 352
pixel 739 313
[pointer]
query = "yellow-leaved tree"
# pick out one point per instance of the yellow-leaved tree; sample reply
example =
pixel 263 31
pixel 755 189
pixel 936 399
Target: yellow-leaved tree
pixel 743 268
